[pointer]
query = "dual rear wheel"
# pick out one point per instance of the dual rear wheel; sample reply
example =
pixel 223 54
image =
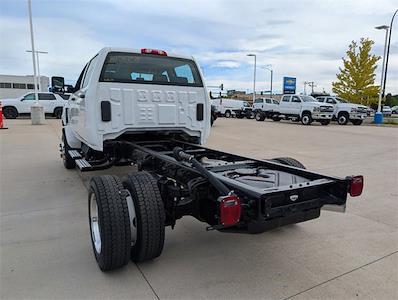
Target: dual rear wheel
pixel 127 219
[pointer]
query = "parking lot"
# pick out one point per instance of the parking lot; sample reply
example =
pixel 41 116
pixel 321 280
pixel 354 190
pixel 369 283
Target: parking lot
pixel 45 241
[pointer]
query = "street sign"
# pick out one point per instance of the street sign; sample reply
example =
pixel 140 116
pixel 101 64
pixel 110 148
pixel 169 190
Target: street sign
pixel 289 85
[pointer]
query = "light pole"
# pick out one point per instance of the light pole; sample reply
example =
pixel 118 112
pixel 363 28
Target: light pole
pixel 36 111
pixel 254 77
pixel 388 54
pixel 269 68
pixel 33 50
pixel 378 118
pixel 38 64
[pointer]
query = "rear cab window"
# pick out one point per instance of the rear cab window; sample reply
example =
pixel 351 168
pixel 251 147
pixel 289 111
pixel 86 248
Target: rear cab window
pixel 150 69
pixel 286 99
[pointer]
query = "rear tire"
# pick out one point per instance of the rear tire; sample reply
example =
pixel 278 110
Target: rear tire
pixel 69 162
pixel 228 114
pixel 357 122
pixel 259 116
pixel 276 118
pixel 10 112
pixel 324 122
pixel 289 162
pixel 109 222
pixel 150 216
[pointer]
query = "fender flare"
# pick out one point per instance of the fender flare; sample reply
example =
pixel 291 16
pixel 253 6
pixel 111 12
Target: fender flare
pixel 71 139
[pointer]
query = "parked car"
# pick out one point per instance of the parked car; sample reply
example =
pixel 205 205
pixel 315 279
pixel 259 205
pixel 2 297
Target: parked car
pixel 387 111
pixel 345 111
pixel 263 108
pixel 51 102
pixel 228 107
pixel 302 108
pixel 394 109
pixel 151 110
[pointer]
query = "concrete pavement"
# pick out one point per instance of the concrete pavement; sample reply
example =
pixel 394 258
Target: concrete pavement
pixel 46 253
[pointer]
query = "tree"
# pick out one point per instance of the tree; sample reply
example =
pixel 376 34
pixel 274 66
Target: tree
pixel 355 82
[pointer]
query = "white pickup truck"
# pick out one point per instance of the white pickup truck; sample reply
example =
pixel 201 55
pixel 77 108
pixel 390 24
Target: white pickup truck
pixel 264 107
pixel 303 108
pixel 52 104
pixel 345 111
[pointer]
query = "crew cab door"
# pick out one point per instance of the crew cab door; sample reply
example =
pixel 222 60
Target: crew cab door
pixel 333 102
pixel 25 103
pixel 295 105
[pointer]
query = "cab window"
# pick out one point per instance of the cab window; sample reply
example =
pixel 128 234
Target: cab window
pixel 43 96
pixel 268 101
pixel 296 99
pixel 330 101
pixel 321 99
pixel 258 101
pixel 275 102
pixel 285 98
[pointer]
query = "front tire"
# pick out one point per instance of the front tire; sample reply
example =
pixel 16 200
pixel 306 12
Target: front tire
pixel 58 112
pixel 150 216
pixel 228 114
pixel 10 112
pixel 342 119
pixel 306 119
pixel 109 222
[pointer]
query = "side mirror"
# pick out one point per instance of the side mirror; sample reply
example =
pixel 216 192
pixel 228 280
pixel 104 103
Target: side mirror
pixel 57 83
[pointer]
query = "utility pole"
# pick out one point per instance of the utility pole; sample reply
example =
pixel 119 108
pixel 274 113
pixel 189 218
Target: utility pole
pixel 254 75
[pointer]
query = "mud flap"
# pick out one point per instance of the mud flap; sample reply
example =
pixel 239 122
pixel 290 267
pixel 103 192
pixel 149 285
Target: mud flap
pixel 334 207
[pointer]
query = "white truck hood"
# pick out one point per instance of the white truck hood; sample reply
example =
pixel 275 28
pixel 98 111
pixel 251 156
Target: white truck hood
pixel 350 105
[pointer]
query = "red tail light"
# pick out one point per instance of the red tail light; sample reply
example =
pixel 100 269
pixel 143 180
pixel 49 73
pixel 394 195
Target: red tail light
pixel 356 185
pixel 153 51
pixel 229 210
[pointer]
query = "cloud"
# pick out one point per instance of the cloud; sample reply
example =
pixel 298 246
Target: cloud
pixel 69 46
pixel 305 39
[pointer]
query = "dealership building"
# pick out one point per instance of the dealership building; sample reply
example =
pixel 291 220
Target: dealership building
pixel 13 86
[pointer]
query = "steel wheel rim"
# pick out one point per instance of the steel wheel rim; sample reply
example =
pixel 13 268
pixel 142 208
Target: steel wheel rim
pixel 133 218
pixel 94 224
pixel 258 117
pixel 306 119
pixel 342 120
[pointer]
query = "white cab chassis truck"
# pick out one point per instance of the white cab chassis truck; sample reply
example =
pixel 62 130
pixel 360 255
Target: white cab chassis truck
pixel 303 108
pixel 264 107
pixel 150 110
pixel 345 111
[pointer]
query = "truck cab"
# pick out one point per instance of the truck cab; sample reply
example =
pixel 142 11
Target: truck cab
pixel 263 108
pixel 127 91
pixel 345 111
pixel 303 108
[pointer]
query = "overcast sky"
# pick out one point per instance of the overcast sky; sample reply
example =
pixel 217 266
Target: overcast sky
pixel 302 39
